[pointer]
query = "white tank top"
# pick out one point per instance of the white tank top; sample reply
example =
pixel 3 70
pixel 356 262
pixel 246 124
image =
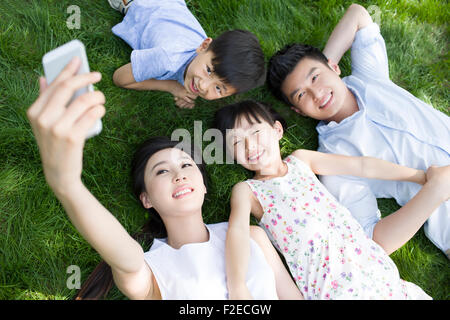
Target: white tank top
pixel 197 270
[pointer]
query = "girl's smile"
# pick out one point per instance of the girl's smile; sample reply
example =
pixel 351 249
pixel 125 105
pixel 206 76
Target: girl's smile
pixel 256 146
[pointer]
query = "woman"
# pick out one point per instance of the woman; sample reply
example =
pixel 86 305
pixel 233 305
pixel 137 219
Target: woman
pixel 189 263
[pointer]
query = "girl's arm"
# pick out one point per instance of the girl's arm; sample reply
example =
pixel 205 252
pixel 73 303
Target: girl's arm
pixel 286 288
pixel 366 167
pixel 60 133
pixel 356 17
pixel 237 246
pixel 123 77
pixel 395 230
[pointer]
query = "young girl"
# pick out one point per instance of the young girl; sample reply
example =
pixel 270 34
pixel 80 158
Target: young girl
pixel 327 252
pixel 189 262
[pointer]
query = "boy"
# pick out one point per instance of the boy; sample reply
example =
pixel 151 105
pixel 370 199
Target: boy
pixel 366 114
pixel 172 53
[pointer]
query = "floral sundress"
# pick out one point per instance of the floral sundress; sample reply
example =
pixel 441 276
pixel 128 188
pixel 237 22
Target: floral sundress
pixel 327 251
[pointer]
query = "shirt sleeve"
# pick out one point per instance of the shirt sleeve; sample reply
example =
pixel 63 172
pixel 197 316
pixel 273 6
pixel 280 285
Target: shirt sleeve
pixel 357 197
pixel 152 63
pixel 368 53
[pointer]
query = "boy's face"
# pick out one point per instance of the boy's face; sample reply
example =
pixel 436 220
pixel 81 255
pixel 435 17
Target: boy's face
pixel 200 78
pixel 315 89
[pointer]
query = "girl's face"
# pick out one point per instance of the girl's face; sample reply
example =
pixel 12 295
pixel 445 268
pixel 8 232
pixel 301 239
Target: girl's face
pixel 255 145
pixel 174 183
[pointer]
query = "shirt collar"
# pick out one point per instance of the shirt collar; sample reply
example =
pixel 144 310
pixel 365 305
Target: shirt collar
pixel 323 127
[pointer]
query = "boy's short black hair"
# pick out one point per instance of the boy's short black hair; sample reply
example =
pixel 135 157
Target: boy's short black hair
pixel 282 63
pixel 239 60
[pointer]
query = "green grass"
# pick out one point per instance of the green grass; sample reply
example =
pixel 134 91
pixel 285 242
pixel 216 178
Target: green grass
pixel 37 241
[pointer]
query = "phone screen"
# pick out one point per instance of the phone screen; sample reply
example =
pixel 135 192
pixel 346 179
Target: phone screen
pixel 55 61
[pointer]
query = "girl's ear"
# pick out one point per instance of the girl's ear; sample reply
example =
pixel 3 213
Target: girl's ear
pixel 204 45
pixel 278 129
pixel 145 200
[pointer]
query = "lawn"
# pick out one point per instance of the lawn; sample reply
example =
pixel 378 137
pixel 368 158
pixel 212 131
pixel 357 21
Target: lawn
pixel 37 241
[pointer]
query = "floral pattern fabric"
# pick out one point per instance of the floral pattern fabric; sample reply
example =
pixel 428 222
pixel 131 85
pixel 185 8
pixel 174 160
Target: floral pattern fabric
pixel 327 251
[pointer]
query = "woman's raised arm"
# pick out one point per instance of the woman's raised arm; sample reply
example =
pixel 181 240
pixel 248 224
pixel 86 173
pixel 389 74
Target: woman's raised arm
pixel 60 133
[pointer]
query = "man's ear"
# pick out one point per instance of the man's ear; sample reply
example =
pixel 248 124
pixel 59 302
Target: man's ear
pixel 298 111
pixel 334 66
pixel 204 45
pixel 145 200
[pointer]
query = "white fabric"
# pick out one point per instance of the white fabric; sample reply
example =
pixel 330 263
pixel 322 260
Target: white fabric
pixel 392 125
pixel 197 270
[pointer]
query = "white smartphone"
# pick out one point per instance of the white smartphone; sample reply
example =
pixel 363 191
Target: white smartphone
pixel 55 61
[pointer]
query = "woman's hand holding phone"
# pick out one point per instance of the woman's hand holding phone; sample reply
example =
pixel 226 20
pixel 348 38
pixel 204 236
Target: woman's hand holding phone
pixel 60 132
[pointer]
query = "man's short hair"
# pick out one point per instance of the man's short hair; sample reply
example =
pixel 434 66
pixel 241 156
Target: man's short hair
pixel 282 63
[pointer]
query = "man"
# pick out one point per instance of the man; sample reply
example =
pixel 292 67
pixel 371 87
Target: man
pixel 366 114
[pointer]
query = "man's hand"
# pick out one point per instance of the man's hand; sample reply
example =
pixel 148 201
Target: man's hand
pixel 182 97
pixel 439 177
pixel 60 130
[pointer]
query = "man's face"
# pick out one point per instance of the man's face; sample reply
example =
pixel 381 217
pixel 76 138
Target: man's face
pixel 315 89
pixel 200 78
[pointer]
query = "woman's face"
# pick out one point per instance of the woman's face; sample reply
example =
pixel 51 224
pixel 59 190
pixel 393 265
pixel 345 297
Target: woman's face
pixel 255 145
pixel 174 183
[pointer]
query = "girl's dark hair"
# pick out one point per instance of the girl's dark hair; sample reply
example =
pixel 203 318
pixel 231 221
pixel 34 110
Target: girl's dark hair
pixel 239 60
pixel 101 280
pixel 282 63
pixel 227 117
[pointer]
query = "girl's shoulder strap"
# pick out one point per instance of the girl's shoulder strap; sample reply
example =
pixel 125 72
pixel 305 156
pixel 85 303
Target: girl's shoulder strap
pixel 295 161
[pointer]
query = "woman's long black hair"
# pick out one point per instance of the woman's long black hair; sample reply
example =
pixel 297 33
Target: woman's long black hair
pixel 100 281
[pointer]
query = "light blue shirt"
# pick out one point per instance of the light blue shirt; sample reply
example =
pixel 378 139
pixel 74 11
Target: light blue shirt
pixel 391 124
pixel 164 35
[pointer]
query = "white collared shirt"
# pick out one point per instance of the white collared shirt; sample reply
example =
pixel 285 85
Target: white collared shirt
pixel 391 124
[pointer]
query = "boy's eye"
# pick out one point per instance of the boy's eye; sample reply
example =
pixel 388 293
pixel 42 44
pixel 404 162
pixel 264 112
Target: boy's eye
pixel 300 95
pixel 218 89
pixel 315 77
pixel 186 165
pixel 161 171
pixel 208 70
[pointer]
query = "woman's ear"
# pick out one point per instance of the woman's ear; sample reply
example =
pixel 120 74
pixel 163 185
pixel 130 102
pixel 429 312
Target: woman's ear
pixel 204 45
pixel 145 200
